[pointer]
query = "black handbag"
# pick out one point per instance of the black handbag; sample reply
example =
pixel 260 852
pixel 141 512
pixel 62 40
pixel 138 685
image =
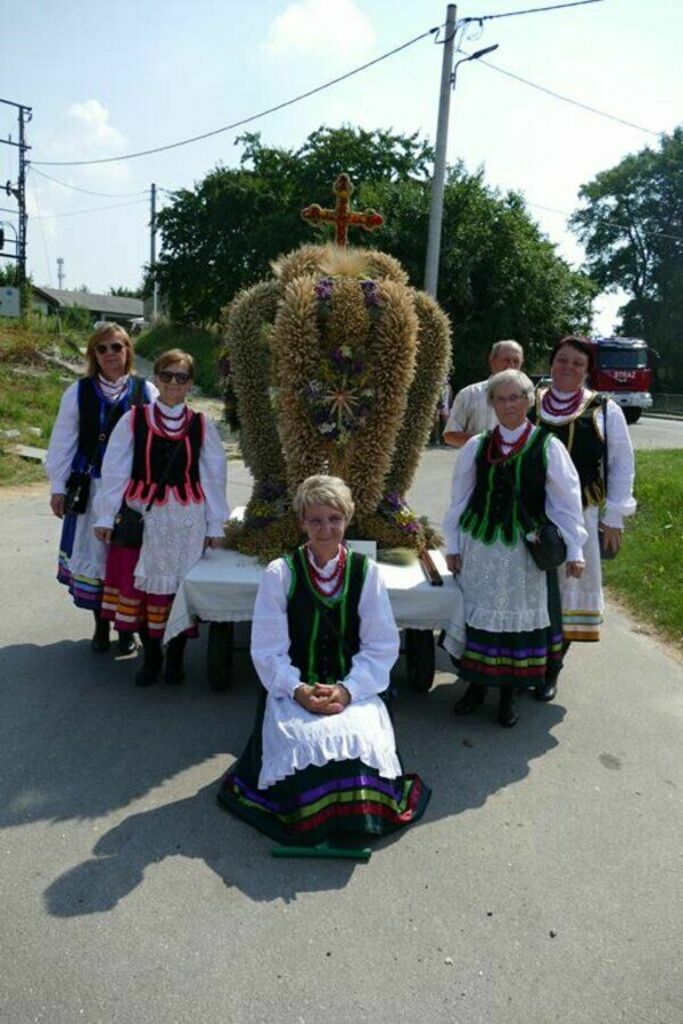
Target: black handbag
pixel 77 494
pixel 544 542
pixel 129 524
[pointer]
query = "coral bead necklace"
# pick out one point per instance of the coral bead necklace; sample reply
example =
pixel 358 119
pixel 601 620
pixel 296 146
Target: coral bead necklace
pixel 327 585
pixel 554 405
pixel 494 450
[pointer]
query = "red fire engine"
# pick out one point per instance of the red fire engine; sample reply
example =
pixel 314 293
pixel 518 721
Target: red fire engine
pixel 623 370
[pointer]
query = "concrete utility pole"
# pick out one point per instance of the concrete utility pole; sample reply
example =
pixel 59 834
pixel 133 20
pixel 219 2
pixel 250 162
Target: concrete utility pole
pixel 60 272
pixel 439 176
pixel 153 250
pixel 19 190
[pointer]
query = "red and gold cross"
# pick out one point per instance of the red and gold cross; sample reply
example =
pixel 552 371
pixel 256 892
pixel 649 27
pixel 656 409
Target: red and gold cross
pixel 343 216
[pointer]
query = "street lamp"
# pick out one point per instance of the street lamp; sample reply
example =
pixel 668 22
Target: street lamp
pixel 473 56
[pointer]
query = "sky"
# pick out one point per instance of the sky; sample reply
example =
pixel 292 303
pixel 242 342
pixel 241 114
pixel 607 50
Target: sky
pixel 111 79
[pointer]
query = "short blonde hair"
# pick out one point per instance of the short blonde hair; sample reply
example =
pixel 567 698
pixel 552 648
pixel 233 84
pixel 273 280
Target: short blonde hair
pixel 498 347
pixel 104 332
pixel 174 355
pixel 517 377
pixel 323 490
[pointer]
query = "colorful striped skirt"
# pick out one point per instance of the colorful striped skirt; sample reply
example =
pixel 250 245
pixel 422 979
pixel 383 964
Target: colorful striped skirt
pixel 129 608
pixel 516 659
pixel 315 803
pixel 75 571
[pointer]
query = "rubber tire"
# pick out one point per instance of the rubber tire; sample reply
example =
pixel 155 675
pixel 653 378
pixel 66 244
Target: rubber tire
pixel 420 659
pixel 219 656
pixel 632 414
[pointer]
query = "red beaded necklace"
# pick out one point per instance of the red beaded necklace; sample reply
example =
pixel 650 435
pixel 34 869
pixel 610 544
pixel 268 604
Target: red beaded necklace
pixel 561 407
pixel 172 433
pixel 332 582
pixel 494 449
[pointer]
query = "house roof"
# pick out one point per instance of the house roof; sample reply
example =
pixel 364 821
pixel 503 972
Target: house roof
pixel 112 305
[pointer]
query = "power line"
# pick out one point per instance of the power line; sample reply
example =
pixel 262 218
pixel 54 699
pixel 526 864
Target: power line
pixel 244 120
pixel 612 223
pixel 87 191
pixel 94 209
pixel 530 10
pixel 565 99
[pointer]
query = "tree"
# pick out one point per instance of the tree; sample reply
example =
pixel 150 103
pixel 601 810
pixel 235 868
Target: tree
pixel 124 292
pixel 632 227
pixel 499 277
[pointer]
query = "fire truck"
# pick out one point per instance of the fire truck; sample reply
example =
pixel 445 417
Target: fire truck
pixel 623 370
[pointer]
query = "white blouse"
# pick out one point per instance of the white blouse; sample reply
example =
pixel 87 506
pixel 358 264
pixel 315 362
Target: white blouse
pixel 379 640
pixel 562 493
pixel 118 460
pixel 64 437
pixel 620 461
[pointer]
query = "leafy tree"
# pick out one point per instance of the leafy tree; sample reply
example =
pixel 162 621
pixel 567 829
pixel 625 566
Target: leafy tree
pixel 124 292
pixel 499 277
pixel 632 226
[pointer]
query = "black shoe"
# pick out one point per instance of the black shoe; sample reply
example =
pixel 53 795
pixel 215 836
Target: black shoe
pixel 126 643
pixel 174 670
pixel 507 712
pixel 546 691
pixel 150 670
pixel 100 639
pixel 474 696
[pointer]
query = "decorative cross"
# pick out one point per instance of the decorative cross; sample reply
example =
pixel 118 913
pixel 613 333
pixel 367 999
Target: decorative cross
pixel 343 216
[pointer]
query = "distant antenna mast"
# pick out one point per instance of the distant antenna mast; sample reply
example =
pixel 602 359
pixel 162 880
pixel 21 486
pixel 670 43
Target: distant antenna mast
pixel 60 272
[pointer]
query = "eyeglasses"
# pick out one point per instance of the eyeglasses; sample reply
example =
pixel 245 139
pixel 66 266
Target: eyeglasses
pixel 506 399
pixel 167 377
pixel 114 346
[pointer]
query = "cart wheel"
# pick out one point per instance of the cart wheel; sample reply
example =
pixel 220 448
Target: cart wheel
pixel 219 655
pixel 419 648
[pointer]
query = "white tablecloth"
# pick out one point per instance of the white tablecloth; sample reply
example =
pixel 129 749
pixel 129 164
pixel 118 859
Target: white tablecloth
pixel 222 587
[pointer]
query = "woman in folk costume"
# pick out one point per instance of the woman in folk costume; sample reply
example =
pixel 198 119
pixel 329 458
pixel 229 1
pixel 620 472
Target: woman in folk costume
pixel 595 434
pixel 512 635
pixel 88 412
pixel 167 463
pixel 322 756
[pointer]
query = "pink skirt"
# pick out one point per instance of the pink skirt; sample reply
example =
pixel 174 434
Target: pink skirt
pixel 130 609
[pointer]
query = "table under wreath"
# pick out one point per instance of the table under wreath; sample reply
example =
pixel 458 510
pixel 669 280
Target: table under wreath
pixel 221 590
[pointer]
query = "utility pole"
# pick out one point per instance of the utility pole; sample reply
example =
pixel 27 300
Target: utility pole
pixel 60 272
pixel 24 115
pixel 439 176
pixel 153 251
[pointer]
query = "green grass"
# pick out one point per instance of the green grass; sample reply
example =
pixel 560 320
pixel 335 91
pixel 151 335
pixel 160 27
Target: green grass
pixel 202 345
pixel 648 572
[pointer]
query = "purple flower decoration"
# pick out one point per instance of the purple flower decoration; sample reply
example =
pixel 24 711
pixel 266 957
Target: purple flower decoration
pixel 394 500
pixel 323 289
pixel 338 358
pixel 370 293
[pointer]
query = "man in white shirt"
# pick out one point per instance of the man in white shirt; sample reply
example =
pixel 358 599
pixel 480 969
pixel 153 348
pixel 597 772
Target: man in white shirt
pixel 471 413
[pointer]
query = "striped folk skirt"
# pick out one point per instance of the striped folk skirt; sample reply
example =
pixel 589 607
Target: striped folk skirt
pixel 516 659
pixel 315 803
pixel 82 557
pixel 131 609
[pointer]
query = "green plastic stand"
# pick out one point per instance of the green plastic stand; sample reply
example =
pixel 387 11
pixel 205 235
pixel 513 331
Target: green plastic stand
pixel 324 850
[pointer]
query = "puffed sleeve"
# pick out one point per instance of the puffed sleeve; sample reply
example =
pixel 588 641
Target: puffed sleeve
pixel 63 441
pixel 116 470
pixel 270 632
pixel 620 468
pixel 379 640
pixel 213 476
pixel 563 499
pixel 462 485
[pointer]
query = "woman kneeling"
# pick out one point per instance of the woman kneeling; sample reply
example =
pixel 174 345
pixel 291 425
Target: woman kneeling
pixel 322 756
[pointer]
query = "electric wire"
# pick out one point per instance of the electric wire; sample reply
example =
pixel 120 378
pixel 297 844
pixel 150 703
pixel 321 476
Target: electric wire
pixel 529 10
pixel 612 223
pixel 242 121
pixel 94 209
pixel 565 99
pixel 86 191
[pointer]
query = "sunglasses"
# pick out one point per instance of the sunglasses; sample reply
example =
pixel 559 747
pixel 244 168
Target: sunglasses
pixel 166 377
pixel 115 346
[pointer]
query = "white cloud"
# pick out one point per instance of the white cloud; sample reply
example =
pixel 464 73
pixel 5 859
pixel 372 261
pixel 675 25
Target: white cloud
pixel 88 125
pixel 325 28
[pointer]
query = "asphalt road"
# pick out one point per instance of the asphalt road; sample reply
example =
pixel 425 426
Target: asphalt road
pixel 543 884
pixel 653 432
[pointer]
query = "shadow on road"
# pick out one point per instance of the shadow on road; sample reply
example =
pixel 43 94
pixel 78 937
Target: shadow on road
pixel 78 740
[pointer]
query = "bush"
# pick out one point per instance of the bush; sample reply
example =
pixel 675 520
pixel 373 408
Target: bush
pixel 203 345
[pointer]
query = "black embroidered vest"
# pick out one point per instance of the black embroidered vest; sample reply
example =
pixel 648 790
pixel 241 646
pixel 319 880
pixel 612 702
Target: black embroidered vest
pixel 584 442
pixel 492 512
pixel 151 454
pixel 321 654
pixel 97 418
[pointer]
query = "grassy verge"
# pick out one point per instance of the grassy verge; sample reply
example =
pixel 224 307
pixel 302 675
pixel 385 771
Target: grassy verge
pixel 648 573
pixel 202 345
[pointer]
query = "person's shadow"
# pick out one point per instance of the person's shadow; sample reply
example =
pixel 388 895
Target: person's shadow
pixel 464 761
